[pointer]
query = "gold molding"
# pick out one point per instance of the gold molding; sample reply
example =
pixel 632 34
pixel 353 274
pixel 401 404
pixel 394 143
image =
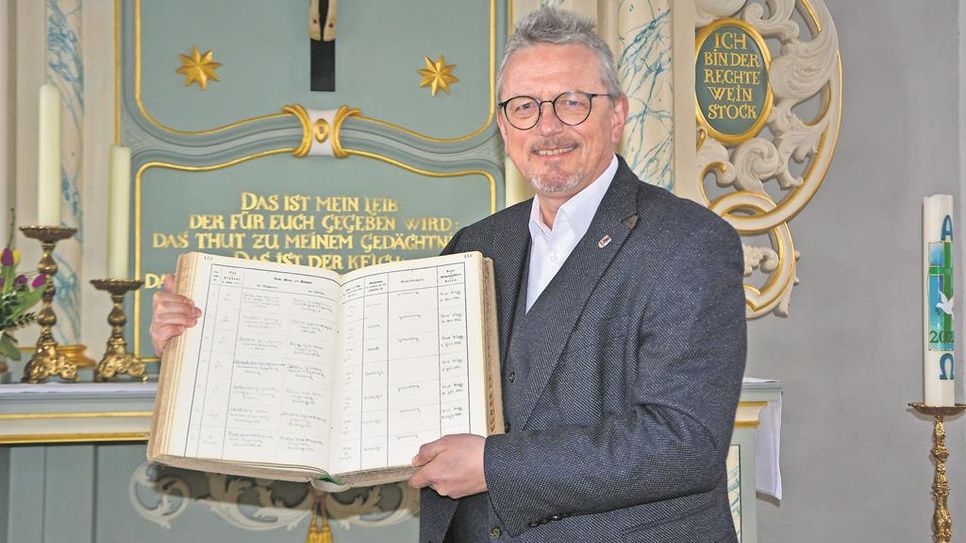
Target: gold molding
pixel 24 439
pixel 343 113
pixel 320 130
pixel 151 119
pixel 303 116
pixel 491 97
pixel 789 208
pixel 310 129
pixel 747 424
pixel 759 301
pixel 798 199
pixel 155 122
pixel 509 19
pixel 340 116
pixel 137 222
pixel 733 139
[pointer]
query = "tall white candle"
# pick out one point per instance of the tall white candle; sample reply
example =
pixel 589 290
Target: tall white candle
pixel 118 212
pixel 48 153
pixel 939 357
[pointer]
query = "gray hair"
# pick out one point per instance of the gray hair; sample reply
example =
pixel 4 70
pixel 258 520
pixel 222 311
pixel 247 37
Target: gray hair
pixel 549 25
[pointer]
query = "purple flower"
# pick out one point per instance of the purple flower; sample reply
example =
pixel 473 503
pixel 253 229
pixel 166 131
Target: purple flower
pixel 39 281
pixel 20 280
pixel 7 258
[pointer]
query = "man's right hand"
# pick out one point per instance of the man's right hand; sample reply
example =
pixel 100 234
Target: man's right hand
pixel 173 313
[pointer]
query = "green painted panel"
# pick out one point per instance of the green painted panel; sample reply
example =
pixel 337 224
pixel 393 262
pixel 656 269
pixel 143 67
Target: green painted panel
pixel 347 213
pixel 69 515
pixel 27 474
pixel 4 491
pixel 263 49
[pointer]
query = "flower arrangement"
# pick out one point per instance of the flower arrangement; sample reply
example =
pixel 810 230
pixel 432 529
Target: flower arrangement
pixel 17 295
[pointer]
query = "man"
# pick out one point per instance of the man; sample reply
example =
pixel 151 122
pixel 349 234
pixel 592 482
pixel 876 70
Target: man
pixel 622 331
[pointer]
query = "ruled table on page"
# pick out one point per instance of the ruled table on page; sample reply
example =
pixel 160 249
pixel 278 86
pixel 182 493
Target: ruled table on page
pixel 405 365
pixel 261 380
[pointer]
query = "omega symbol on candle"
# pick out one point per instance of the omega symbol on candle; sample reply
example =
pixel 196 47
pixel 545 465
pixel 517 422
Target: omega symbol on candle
pixel 941 290
pixel 947 367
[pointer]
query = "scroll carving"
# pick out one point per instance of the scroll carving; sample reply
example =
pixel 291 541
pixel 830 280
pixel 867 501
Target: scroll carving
pixel 770 178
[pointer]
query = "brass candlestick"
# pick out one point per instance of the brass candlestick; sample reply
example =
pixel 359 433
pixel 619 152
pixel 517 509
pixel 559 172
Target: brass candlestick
pixel 942 522
pixel 46 360
pixel 117 361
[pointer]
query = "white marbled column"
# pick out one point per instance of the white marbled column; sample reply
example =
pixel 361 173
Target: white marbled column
pixel 65 69
pixel 644 64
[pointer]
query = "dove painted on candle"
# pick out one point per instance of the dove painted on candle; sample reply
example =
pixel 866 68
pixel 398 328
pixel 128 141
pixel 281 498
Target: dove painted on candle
pixel 945 304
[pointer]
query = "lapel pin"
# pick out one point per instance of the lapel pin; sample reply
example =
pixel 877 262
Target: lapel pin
pixel 604 241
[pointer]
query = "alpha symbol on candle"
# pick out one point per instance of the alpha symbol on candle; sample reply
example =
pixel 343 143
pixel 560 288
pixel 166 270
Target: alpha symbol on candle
pixel 945 375
pixel 947 230
pixel 941 294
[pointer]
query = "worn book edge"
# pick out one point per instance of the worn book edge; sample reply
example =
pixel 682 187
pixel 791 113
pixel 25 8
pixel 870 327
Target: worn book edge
pixel 170 372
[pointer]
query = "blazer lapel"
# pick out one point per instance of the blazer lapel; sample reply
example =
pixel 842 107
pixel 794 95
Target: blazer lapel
pixel 511 248
pixel 556 311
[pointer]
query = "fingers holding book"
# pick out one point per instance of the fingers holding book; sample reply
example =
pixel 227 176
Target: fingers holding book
pixel 173 314
pixel 451 465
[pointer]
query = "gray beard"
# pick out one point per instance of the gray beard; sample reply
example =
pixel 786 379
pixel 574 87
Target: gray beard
pixel 553 185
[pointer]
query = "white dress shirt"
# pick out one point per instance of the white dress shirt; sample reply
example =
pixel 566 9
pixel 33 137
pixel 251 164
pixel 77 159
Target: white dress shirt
pixel 549 248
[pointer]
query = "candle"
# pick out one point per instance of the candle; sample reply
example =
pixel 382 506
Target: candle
pixel 937 255
pixel 48 161
pixel 118 212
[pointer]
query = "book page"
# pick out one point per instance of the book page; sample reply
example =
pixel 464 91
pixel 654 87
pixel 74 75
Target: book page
pixel 412 366
pixel 258 390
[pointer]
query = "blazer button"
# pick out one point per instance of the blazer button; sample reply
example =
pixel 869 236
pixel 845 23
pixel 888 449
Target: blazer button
pixel 510 377
pixel 506 428
pixel 495 532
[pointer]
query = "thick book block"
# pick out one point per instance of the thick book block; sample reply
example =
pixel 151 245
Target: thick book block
pixel 300 373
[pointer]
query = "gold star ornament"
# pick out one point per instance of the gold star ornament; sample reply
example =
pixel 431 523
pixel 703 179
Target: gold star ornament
pixel 198 68
pixel 437 75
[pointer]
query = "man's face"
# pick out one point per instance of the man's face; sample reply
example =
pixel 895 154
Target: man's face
pixel 556 158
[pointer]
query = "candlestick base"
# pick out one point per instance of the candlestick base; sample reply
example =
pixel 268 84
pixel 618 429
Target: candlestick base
pixel 46 360
pixel 117 361
pixel 942 522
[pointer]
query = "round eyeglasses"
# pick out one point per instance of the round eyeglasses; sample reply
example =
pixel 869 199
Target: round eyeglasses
pixel 572 108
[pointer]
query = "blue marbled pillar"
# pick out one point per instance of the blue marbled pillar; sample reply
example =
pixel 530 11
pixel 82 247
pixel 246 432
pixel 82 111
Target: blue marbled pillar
pixel 644 63
pixel 65 69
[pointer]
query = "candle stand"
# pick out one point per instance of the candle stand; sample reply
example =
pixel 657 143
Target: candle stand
pixel 117 361
pixel 47 360
pixel 942 522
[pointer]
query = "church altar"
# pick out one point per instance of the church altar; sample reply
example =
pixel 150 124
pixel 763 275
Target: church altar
pixel 72 468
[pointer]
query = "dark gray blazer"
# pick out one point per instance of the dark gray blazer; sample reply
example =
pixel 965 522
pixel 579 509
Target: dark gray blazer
pixel 623 420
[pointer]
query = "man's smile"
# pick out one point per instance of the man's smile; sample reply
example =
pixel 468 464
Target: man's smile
pixel 553 148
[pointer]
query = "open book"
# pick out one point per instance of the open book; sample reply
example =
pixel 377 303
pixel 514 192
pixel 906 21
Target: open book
pixel 300 373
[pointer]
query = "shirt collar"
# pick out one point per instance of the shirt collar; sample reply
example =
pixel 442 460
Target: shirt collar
pixel 579 210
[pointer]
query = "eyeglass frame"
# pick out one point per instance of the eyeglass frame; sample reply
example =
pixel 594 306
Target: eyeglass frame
pixel 553 106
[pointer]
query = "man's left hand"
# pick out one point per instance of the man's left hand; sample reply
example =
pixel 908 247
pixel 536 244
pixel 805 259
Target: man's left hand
pixel 451 465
